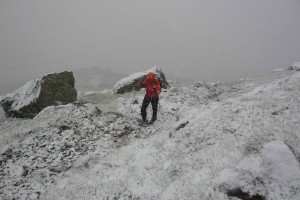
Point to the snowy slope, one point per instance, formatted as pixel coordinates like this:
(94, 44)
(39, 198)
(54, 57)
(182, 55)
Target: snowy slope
(209, 139)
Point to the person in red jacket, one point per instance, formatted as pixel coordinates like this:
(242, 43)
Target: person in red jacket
(153, 89)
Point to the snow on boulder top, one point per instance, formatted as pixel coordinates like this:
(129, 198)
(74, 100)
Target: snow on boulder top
(131, 82)
(34, 96)
(26, 94)
(128, 80)
(295, 66)
(156, 70)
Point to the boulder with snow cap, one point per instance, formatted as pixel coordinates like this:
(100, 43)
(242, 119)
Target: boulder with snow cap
(39, 93)
(131, 82)
(295, 66)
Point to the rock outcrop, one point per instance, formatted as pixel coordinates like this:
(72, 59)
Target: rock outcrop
(131, 82)
(39, 93)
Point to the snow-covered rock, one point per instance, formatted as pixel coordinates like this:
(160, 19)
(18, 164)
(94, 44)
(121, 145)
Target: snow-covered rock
(47, 90)
(180, 124)
(131, 82)
(295, 66)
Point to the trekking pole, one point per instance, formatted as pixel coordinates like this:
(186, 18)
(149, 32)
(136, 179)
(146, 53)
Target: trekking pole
(133, 97)
(132, 100)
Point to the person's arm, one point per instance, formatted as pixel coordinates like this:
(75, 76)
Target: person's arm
(143, 84)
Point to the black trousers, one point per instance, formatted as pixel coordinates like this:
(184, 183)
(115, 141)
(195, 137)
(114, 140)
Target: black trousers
(146, 102)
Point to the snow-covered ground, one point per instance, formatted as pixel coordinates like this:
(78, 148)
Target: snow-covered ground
(209, 141)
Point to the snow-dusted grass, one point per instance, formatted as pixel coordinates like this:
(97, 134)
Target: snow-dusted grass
(242, 135)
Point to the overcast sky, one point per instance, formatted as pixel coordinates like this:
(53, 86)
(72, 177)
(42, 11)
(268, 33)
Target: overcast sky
(195, 39)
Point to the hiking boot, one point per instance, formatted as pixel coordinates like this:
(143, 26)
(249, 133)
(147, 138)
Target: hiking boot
(153, 120)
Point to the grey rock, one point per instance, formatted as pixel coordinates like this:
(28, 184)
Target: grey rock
(25, 171)
(58, 169)
(34, 196)
(180, 124)
(48, 90)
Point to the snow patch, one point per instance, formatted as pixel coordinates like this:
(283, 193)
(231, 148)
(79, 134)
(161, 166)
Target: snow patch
(107, 91)
(260, 89)
(296, 76)
(283, 168)
(279, 70)
(274, 173)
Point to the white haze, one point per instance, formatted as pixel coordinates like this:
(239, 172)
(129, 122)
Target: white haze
(192, 39)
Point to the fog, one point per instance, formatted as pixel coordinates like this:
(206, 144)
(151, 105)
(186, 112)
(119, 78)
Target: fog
(192, 39)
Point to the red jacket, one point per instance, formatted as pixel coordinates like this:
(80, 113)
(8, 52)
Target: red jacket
(152, 87)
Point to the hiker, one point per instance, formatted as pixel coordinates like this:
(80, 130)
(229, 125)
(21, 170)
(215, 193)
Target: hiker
(153, 89)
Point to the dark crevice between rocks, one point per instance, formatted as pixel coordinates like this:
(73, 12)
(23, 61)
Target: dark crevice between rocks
(243, 195)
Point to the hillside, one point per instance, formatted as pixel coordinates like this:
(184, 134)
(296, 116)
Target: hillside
(211, 141)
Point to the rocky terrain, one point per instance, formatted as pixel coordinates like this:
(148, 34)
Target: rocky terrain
(230, 140)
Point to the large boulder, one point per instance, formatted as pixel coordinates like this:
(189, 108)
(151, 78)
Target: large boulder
(131, 82)
(39, 93)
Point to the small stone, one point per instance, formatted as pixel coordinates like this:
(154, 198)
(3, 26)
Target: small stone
(34, 196)
(275, 113)
(16, 170)
(64, 127)
(25, 171)
(58, 169)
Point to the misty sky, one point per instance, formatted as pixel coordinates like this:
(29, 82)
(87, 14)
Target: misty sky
(194, 39)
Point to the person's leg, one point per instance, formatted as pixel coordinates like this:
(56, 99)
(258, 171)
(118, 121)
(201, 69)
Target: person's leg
(145, 104)
(154, 103)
